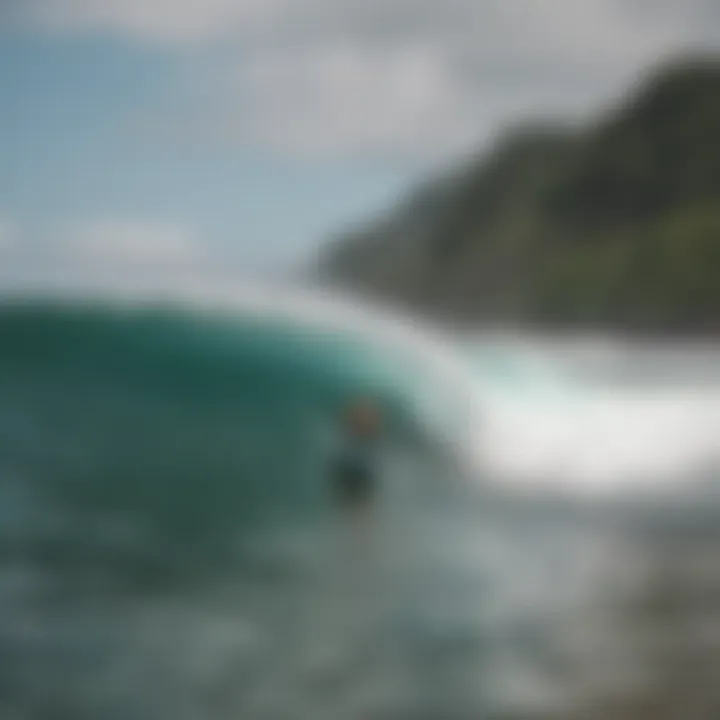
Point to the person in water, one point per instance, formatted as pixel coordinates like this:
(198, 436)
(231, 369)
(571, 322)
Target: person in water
(354, 472)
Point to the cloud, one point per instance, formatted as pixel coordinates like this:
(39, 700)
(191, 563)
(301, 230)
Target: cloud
(139, 244)
(584, 24)
(339, 99)
(130, 254)
(165, 21)
(408, 78)
(427, 79)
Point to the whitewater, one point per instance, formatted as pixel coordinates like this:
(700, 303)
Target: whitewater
(171, 552)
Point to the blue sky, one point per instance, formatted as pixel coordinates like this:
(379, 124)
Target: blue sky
(79, 147)
(239, 134)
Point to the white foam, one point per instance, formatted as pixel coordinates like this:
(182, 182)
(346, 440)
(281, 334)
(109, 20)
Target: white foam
(599, 436)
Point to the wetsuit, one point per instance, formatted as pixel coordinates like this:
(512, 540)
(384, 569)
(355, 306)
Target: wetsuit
(354, 474)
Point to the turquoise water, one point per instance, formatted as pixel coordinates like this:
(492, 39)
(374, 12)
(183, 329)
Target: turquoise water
(186, 428)
(161, 473)
(169, 550)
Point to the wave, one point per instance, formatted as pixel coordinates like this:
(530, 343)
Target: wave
(162, 429)
(141, 441)
(181, 420)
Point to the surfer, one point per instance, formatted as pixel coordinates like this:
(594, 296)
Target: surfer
(350, 583)
(354, 471)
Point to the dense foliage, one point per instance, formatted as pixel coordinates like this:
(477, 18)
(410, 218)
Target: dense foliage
(617, 225)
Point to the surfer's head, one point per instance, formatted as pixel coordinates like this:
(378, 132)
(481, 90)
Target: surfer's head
(362, 417)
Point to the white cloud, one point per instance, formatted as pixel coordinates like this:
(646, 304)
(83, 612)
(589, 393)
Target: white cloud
(432, 78)
(414, 78)
(584, 24)
(94, 254)
(141, 244)
(339, 98)
(168, 21)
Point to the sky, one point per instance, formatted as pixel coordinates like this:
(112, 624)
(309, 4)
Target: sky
(147, 137)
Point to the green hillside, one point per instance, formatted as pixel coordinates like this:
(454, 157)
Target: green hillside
(617, 225)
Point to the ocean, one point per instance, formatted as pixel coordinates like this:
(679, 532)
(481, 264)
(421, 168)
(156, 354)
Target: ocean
(169, 548)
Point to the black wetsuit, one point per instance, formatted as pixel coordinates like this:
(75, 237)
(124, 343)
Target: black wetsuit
(354, 475)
